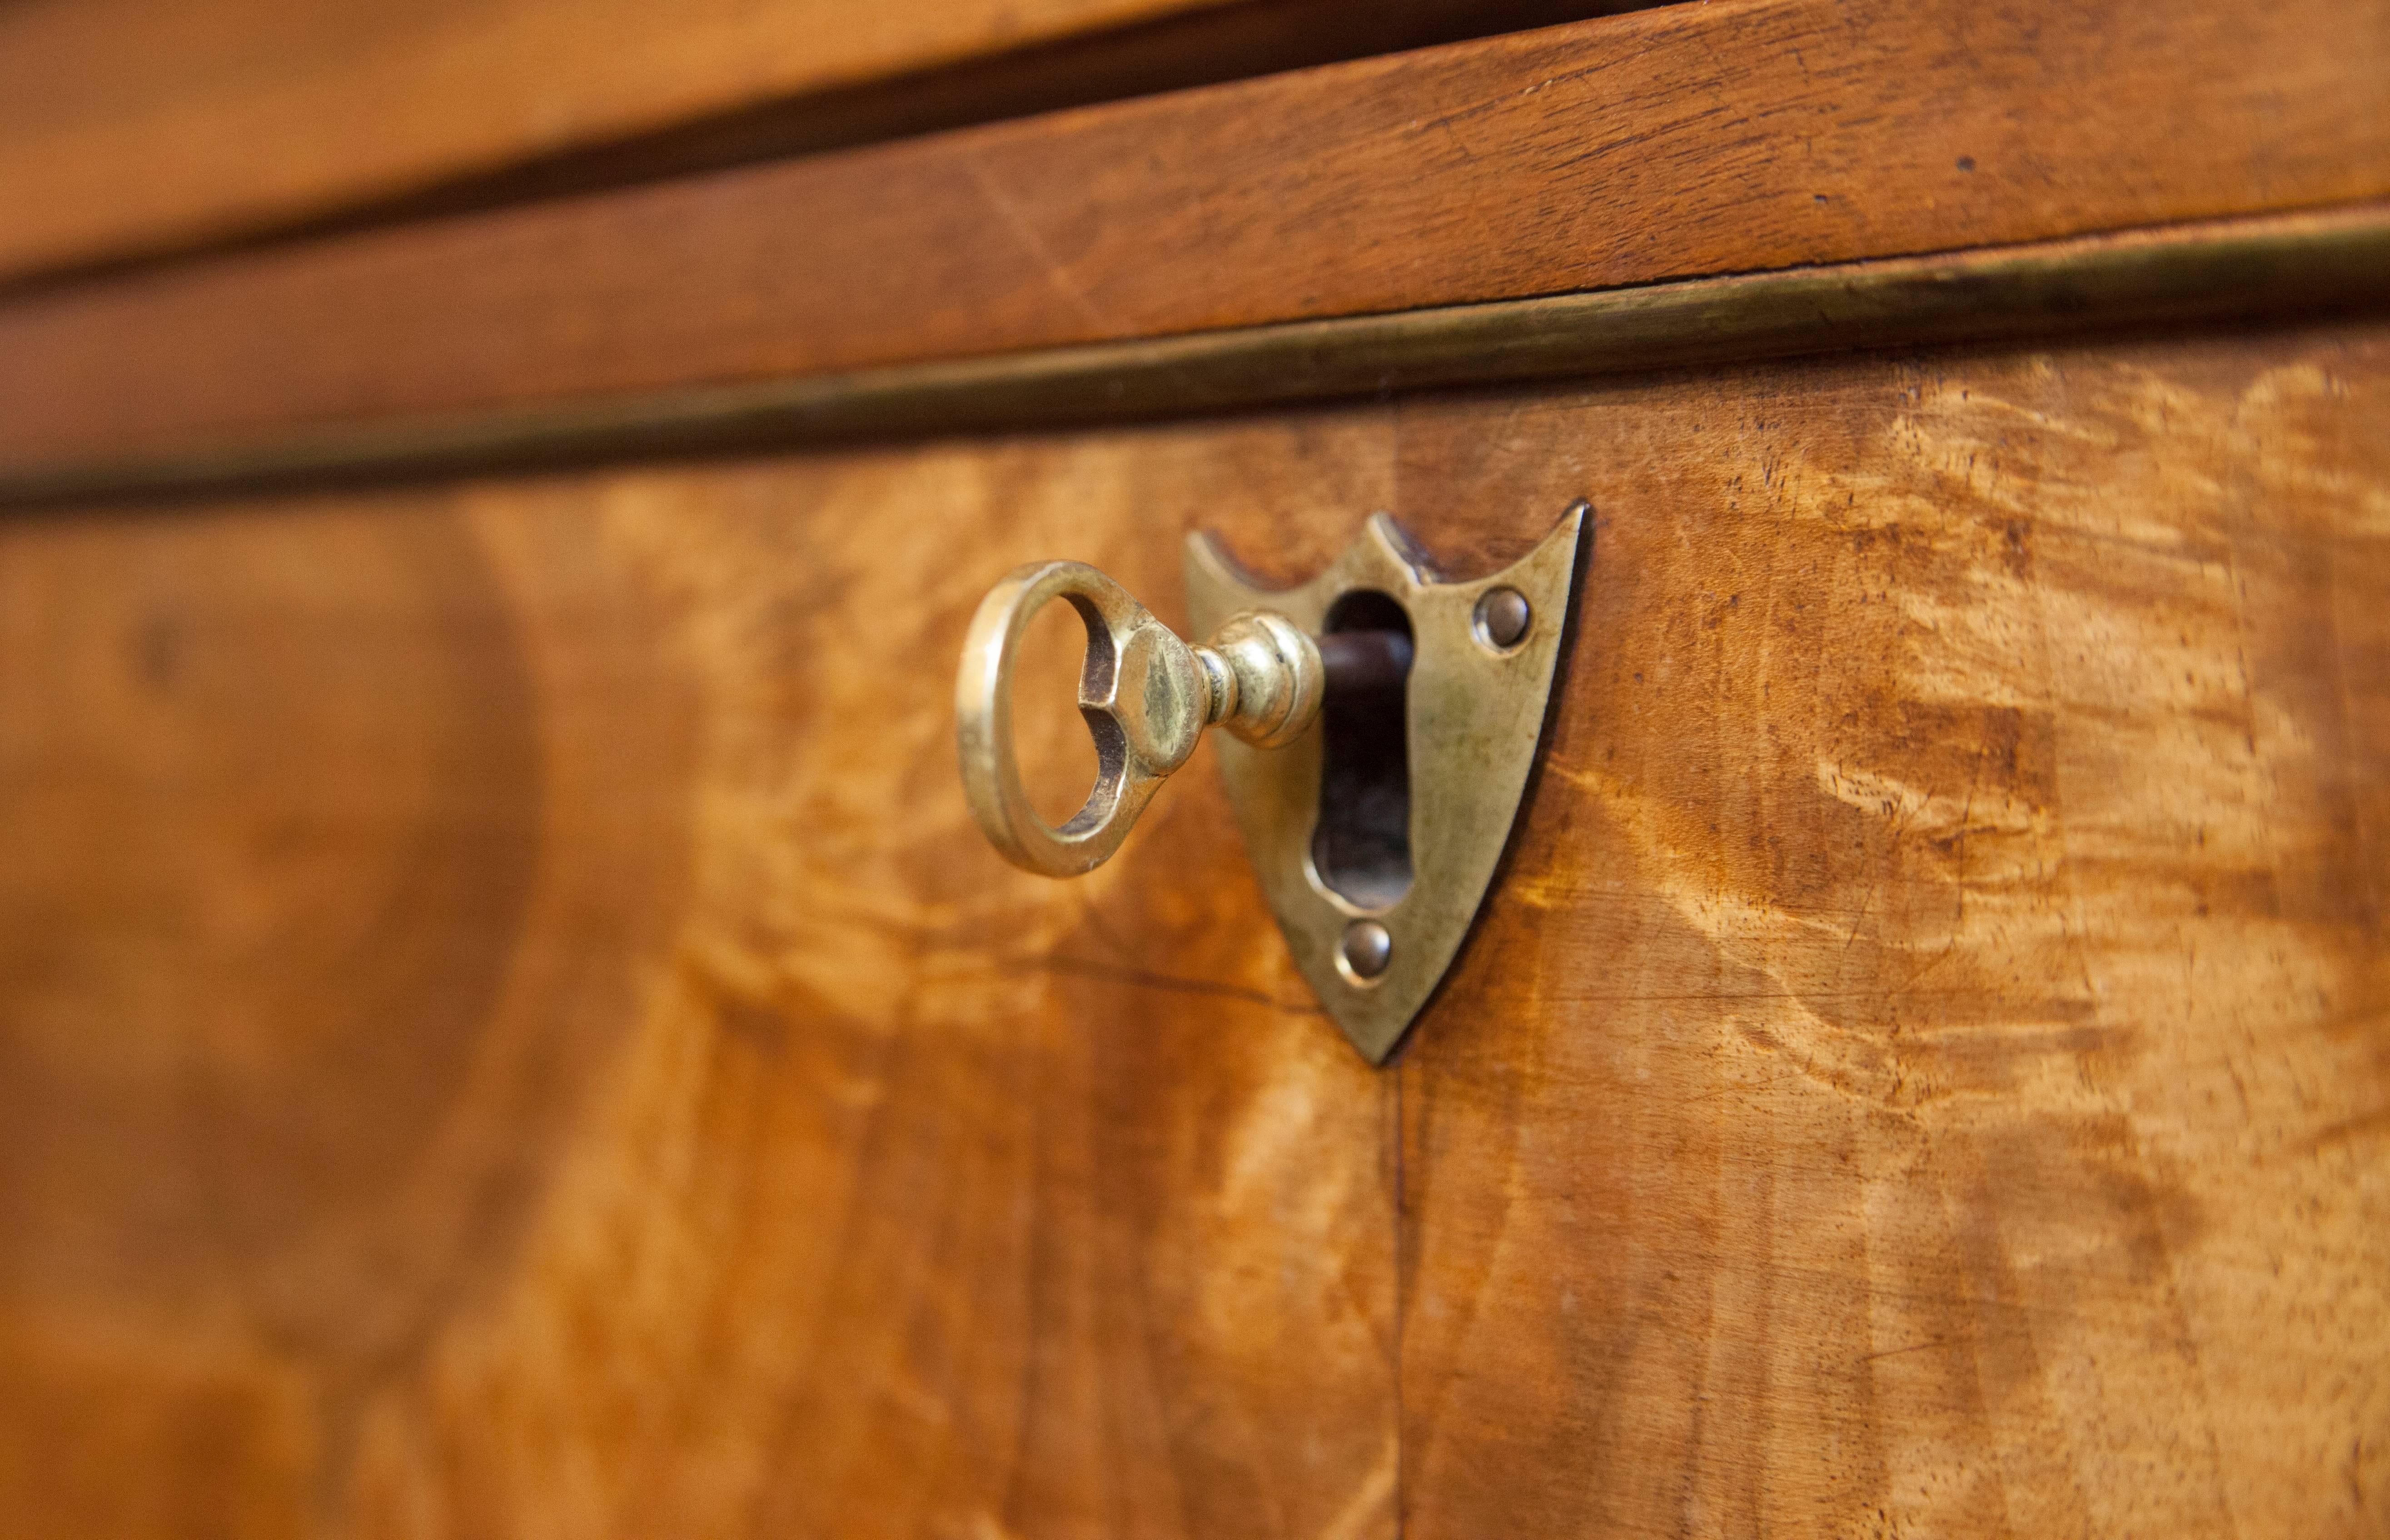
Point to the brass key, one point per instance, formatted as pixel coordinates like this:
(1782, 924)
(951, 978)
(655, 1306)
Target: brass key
(1146, 696)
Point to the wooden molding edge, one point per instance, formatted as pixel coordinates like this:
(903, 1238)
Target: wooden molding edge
(1144, 50)
(2216, 271)
(189, 153)
(1673, 143)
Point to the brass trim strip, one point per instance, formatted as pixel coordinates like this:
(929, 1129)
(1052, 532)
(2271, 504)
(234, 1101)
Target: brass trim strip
(2287, 265)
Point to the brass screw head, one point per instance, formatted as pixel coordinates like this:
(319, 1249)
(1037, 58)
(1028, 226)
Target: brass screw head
(1367, 948)
(1502, 619)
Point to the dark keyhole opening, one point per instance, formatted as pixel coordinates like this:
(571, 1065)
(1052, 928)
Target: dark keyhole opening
(1362, 843)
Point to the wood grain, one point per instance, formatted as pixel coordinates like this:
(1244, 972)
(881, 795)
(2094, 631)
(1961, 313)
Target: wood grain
(508, 1029)
(2276, 267)
(1175, 50)
(1744, 135)
(130, 124)
(1927, 1070)
(482, 1058)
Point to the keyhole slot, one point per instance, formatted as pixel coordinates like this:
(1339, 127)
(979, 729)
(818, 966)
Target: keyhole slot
(1361, 844)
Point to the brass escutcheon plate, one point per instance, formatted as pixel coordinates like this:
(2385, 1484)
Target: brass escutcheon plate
(1474, 714)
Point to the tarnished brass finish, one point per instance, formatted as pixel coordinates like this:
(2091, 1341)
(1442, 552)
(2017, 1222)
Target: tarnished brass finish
(1267, 678)
(1146, 696)
(1475, 706)
(1468, 682)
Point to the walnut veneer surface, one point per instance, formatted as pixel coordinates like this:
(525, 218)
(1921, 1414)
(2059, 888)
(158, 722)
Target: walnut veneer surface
(509, 1030)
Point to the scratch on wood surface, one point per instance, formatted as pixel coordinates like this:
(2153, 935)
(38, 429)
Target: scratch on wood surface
(1055, 272)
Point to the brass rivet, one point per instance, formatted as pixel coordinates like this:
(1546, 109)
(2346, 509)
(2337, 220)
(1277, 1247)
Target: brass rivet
(1502, 619)
(1367, 948)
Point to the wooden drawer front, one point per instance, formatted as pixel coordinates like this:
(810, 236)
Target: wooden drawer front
(511, 1030)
